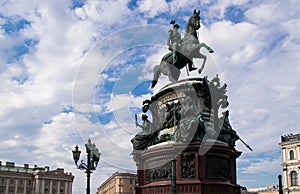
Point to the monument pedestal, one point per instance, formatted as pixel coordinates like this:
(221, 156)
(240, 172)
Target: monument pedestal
(213, 172)
(186, 126)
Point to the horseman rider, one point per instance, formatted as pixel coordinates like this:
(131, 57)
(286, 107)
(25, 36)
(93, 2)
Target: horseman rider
(174, 40)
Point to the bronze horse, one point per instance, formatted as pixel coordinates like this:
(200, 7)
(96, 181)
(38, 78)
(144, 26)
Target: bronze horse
(188, 49)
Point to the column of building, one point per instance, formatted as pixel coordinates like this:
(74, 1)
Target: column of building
(285, 177)
(298, 152)
(6, 187)
(51, 185)
(25, 184)
(70, 187)
(58, 187)
(16, 186)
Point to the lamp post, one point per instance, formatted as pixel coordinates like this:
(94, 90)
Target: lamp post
(280, 184)
(173, 179)
(93, 157)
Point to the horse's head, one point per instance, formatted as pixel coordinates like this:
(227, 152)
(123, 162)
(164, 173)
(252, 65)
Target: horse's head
(193, 24)
(195, 20)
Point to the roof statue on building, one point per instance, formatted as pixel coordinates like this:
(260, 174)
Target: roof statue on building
(183, 50)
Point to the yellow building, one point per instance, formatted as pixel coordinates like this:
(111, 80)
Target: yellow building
(290, 145)
(118, 183)
(36, 180)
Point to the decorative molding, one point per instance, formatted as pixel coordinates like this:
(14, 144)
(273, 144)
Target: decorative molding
(188, 169)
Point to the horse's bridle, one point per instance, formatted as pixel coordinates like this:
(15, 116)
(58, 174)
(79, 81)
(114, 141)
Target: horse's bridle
(196, 22)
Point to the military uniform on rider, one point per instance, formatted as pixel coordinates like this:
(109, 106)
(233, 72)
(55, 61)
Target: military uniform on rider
(174, 38)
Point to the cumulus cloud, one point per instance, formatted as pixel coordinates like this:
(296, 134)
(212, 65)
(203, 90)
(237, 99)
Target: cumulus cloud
(153, 8)
(33, 104)
(183, 6)
(88, 56)
(217, 9)
(263, 166)
(53, 139)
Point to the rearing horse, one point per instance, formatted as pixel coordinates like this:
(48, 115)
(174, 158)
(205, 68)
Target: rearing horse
(188, 49)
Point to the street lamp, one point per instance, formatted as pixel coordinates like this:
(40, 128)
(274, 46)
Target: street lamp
(93, 157)
(280, 184)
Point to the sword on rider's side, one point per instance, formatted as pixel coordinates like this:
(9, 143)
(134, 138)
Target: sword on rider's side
(245, 144)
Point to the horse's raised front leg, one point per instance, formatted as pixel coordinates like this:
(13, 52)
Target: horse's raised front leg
(210, 50)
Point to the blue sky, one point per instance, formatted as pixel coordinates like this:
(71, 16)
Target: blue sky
(73, 70)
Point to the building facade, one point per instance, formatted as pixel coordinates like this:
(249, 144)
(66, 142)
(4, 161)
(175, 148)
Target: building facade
(36, 180)
(290, 145)
(118, 183)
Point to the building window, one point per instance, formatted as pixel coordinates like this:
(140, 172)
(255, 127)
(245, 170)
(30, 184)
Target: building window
(294, 178)
(292, 155)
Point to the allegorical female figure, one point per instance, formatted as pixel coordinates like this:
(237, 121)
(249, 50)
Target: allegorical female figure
(146, 137)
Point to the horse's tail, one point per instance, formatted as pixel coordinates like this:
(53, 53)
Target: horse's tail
(156, 75)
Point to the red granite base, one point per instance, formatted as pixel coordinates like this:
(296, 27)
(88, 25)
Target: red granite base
(211, 173)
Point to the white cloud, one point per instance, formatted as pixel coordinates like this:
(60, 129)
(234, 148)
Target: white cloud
(183, 5)
(259, 58)
(283, 92)
(292, 27)
(51, 68)
(105, 12)
(55, 137)
(10, 143)
(218, 8)
(229, 38)
(152, 8)
(271, 166)
(265, 14)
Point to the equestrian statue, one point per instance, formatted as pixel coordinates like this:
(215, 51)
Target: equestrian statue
(182, 51)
